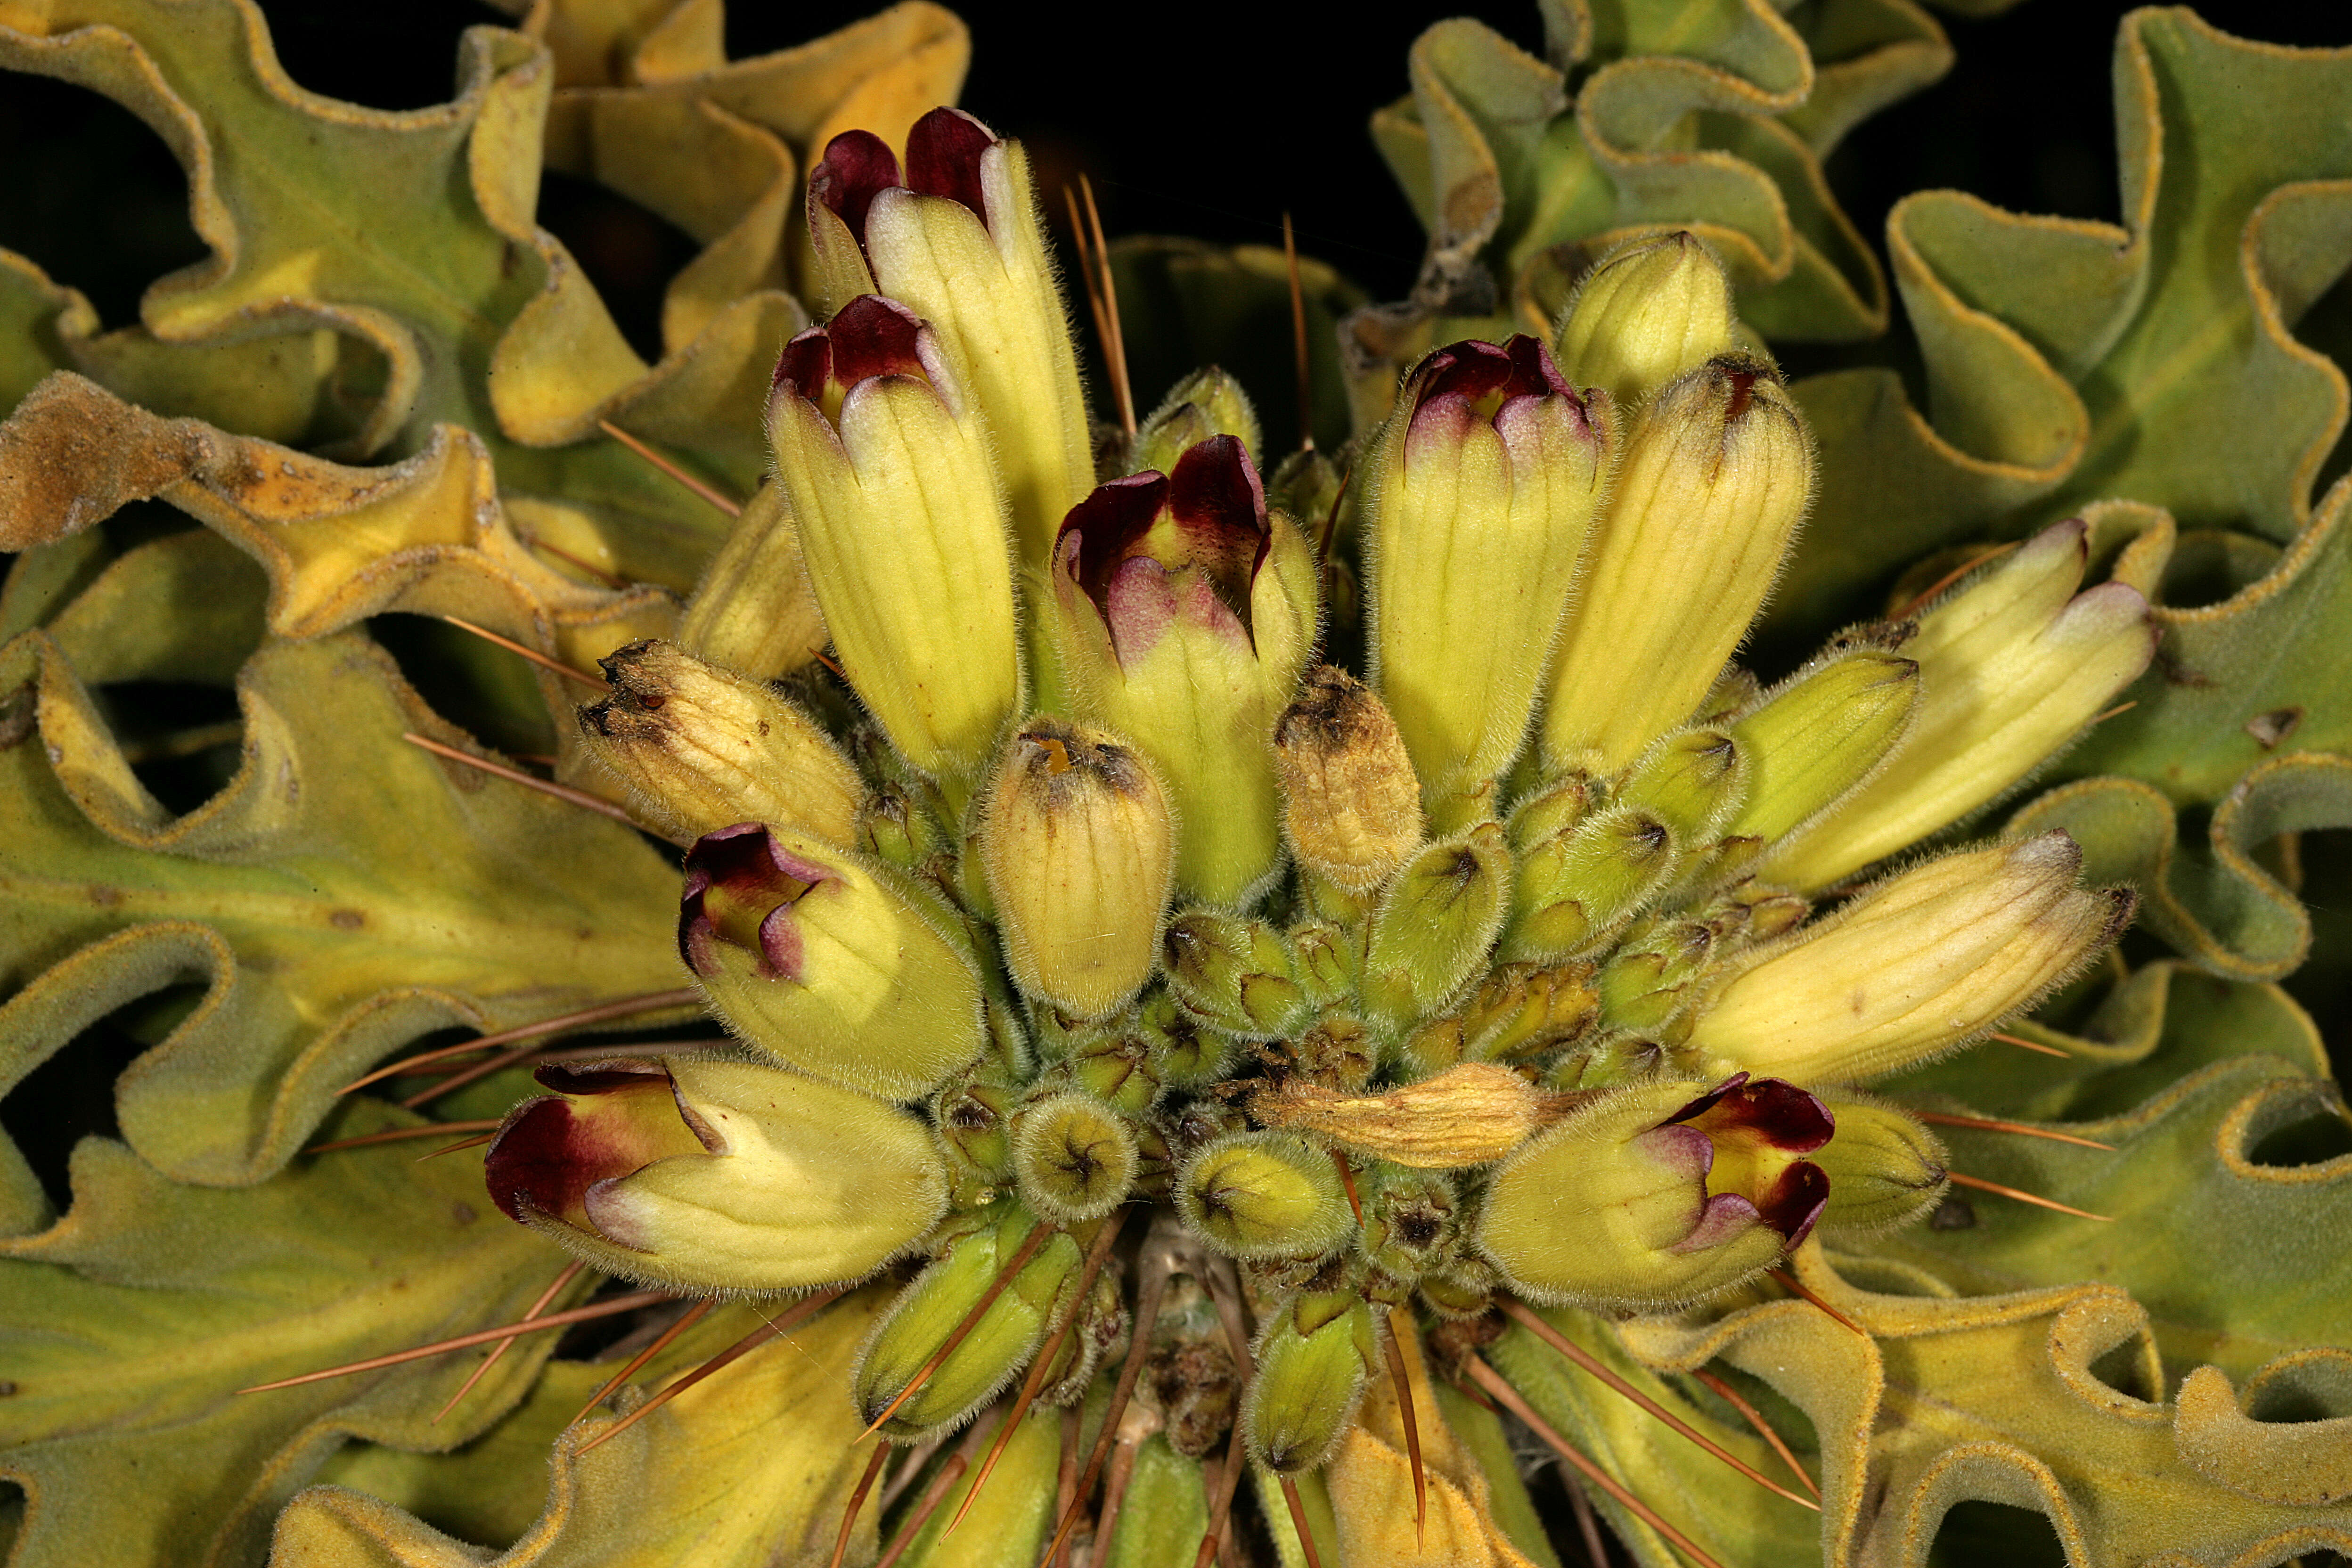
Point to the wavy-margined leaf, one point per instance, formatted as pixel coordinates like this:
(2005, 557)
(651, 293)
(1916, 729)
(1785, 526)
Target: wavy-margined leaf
(2217, 1239)
(2068, 360)
(749, 1467)
(1941, 1400)
(410, 235)
(131, 1323)
(344, 894)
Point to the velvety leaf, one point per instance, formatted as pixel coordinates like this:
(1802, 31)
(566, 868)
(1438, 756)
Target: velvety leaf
(751, 1466)
(346, 894)
(2068, 360)
(131, 1323)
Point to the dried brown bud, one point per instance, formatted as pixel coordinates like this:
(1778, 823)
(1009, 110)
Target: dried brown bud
(1466, 1115)
(1350, 800)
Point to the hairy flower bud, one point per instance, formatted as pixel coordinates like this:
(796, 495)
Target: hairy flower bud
(902, 528)
(1717, 472)
(1691, 782)
(1652, 1198)
(998, 1345)
(959, 241)
(1915, 965)
(1183, 611)
(1265, 1195)
(1818, 736)
(1575, 888)
(701, 748)
(1238, 975)
(1481, 488)
(1080, 854)
(1652, 310)
(754, 614)
(1312, 1359)
(1886, 1168)
(1074, 1157)
(1435, 922)
(1204, 406)
(2011, 665)
(1351, 806)
(716, 1174)
(815, 958)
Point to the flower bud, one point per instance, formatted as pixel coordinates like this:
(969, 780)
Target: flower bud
(1264, 1195)
(1184, 612)
(930, 1309)
(1691, 782)
(902, 526)
(1481, 488)
(754, 613)
(1472, 1114)
(1411, 1222)
(1818, 736)
(1312, 1359)
(715, 1176)
(1351, 806)
(1236, 975)
(817, 961)
(1550, 811)
(959, 242)
(1575, 890)
(1646, 979)
(700, 748)
(1653, 310)
(1435, 922)
(1915, 965)
(1079, 853)
(1074, 1158)
(1204, 406)
(2010, 668)
(1652, 1198)
(1523, 1009)
(1717, 472)
(1885, 1169)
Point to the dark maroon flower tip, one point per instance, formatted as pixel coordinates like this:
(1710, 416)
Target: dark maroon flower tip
(1103, 529)
(1471, 370)
(533, 1165)
(599, 1077)
(1220, 504)
(1795, 1203)
(869, 336)
(857, 166)
(1779, 1113)
(749, 873)
(944, 153)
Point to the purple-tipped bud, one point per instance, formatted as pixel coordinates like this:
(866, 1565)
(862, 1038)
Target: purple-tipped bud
(1152, 549)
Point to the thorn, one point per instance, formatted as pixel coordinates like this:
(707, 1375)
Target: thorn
(1508, 1396)
(1038, 1368)
(1019, 1261)
(1290, 1487)
(856, 1501)
(618, 1304)
(628, 1048)
(571, 1272)
(1065, 1467)
(1331, 518)
(1980, 1184)
(394, 1135)
(1732, 1396)
(1587, 1525)
(1229, 1477)
(731, 507)
(1403, 1383)
(686, 1320)
(800, 1314)
(650, 1002)
(474, 1142)
(933, 1495)
(1299, 339)
(2119, 709)
(580, 798)
(597, 681)
(1988, 1124)
(612, 580)
(1116, 349)
(1147, 1312)
(1947, 580)
(1535, 1324)
(818, 655)
(1788, 1282)
(1086, 265)
(1347, 1184)
(2032, 1045)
